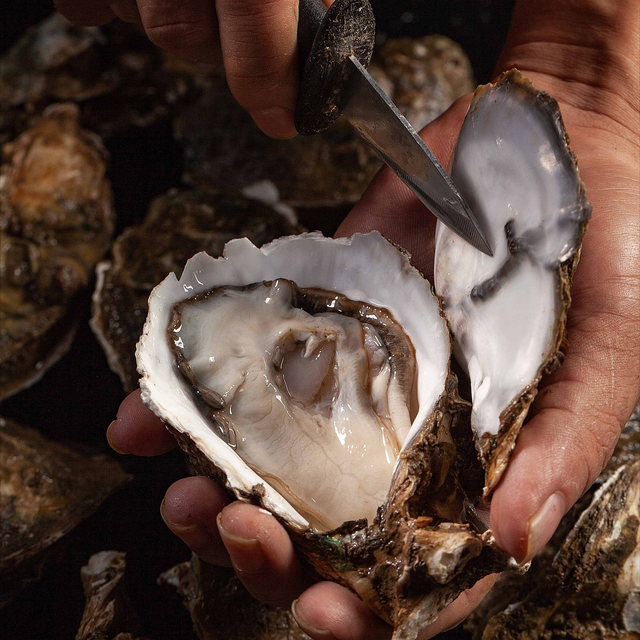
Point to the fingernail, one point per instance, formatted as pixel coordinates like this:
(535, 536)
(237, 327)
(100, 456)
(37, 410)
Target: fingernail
(110, 429)
(310, 630)
(246, 554)
(543, 525)
(276, 122)
(175, 526)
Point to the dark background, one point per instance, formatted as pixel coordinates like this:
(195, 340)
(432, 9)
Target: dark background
(79, 396)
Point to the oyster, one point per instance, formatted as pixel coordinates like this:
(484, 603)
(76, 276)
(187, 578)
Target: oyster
(222, 609)
(41, 499)
(346, 384)
(56, 220)
(115, 75)
(178, 224)
(108, 612)
(586, 581)
(315, 358)
(507, 312)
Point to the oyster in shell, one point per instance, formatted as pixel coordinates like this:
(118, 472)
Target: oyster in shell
(312, 376)
(275, 388)
(56, 220)
(118, 78)
(514, 167)
(108, 611)
(41, 499)
(222, 609)
(586, 582)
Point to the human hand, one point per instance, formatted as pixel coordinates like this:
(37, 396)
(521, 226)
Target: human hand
(257, 40)
(580, 409)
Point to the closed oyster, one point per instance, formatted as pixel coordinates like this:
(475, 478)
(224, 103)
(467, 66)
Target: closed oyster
(514, 167)
(586, 581)
(275, 388)
(41, 499)
(56, 220)
(118, 79)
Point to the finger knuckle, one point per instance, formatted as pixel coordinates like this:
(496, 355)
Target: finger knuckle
(179, 34)
(595, 448)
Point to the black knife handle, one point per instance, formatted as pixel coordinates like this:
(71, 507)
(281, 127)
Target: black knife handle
(326, 38)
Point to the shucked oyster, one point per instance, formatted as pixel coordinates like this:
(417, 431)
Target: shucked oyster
(312, 376)
(329, 402)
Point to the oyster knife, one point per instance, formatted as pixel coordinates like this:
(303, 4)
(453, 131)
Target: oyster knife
(335, 45)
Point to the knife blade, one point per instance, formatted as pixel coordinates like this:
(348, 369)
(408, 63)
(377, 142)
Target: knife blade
(334, 46)
(380, 123)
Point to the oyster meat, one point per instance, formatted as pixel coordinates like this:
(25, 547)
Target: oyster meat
(178, 224)
(56, 220)
(312, 376)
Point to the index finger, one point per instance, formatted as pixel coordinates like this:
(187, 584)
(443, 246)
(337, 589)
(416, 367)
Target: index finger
(137, 430)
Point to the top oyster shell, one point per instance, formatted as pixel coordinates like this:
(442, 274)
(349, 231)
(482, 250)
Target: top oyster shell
(507, 312)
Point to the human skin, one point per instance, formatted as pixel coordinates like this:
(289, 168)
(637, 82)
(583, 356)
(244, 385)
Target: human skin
(586, 53)
(255, 38)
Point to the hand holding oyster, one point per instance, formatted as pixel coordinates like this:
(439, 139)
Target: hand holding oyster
(357, 545)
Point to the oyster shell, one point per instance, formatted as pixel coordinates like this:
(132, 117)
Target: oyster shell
(222, 609)
(56, 220)
(178, 224)
(586, 582)
(108, 612)
(41, 499)
(507, 312)
(115, 75)
(408, 521)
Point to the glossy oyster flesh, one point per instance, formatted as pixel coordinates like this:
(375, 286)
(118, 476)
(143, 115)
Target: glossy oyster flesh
(177, 225)
(507, 312)
(329, 402)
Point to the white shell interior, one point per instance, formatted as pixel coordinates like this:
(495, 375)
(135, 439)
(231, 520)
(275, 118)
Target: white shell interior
(363, 268)
(513, 166)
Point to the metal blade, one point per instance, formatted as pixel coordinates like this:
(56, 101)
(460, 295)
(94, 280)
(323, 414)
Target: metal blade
(379, 122)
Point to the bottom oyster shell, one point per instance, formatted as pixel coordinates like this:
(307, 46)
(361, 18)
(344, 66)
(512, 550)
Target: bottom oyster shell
(223, 358)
